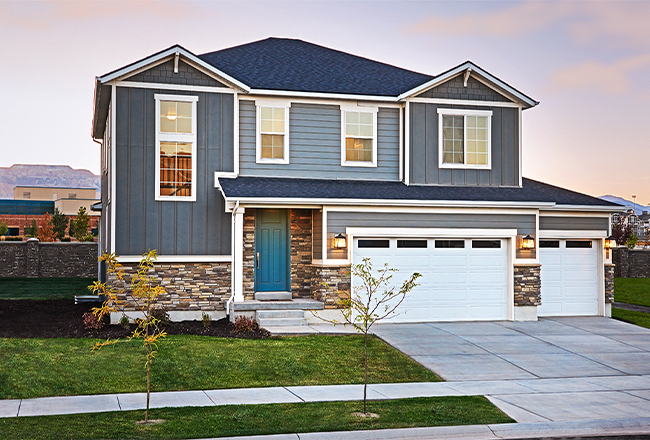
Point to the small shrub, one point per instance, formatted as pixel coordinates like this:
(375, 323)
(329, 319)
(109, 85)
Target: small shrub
(631, 241)
(124, 321)
(92, 322)
(245, 324)
(10, 238)
(160, 313)
(207, 320)
(65, 240)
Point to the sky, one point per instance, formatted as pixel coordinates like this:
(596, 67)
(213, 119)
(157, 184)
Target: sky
(586, 62)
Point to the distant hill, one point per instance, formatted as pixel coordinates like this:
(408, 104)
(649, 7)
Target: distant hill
(627, 203)
(45, 175)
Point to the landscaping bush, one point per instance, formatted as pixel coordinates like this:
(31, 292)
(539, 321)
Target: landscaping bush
(124, 321)
(10, 238)
(207, 320)
(245, 324)
(92, 322)
(160, 313)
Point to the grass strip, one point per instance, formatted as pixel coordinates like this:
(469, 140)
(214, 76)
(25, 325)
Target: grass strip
(43, 288)
(637, 318)
(632, 290)
(58, 367)
(236, 420)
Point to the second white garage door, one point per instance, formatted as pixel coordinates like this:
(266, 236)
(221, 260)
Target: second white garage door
(462, 280)
(569, 277)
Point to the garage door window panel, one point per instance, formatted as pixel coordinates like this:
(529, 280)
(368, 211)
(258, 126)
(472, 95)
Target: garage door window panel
(411, 244)
(450, 244)
(374, 243)
(578, 244)
(486, 244)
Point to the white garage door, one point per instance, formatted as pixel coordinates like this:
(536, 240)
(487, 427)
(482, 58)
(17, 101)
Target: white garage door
(462, 279)
(569, 277)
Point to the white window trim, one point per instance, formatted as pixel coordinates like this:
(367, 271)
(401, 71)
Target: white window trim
(462, 112)
(359, 109)
(272, 103)
(176, 137)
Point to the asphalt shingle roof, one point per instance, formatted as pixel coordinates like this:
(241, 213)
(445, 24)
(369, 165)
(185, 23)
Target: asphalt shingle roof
(271, 187)
(296, 65)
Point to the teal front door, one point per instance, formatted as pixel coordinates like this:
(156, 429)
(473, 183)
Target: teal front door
(271, 250)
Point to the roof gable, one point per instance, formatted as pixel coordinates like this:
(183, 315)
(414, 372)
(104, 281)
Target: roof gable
(296, 65)
(163, 73)
(472, 89)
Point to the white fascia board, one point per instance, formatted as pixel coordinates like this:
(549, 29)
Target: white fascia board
(273, 201)
(466, 102)
(342, 96)
(440, 79)
(178, 259)
(431, 232)
(549, 233)
(175, 87)
(167, 53)
(587, 208)
(574, 214)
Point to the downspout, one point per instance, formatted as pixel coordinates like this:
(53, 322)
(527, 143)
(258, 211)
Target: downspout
(99, 226)
(232, 262)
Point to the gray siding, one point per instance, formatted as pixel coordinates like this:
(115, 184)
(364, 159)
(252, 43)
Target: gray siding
(338, 221)
(573, 223)
(173, 228)
(423, 126)
(187, 75)
(455, 89)
(317, 233)
(315, 144)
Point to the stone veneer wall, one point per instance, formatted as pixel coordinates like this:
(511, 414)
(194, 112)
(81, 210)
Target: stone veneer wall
(248, 266)
(609, 283)
(301, 243)
(52, 260)
(189, 286)
(338, 283)
(631, 263)
(527, 286)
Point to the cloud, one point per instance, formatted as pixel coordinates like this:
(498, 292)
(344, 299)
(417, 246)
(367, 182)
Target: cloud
(613, 77)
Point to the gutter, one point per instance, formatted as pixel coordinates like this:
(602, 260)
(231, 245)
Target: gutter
(232, 263)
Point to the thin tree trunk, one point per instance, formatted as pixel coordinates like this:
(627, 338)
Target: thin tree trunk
(365, 376)
(146, 414)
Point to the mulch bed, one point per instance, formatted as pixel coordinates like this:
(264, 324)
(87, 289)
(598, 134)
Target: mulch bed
(61, 318)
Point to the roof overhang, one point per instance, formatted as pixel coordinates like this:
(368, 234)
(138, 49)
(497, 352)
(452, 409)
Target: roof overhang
(472, 69)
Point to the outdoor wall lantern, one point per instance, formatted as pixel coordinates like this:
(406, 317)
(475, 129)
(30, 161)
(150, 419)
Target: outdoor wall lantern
(528, 242)
(610, 242)
(339, 241)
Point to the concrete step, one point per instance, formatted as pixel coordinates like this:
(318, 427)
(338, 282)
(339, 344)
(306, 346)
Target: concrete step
(269, 314)
(280, 322)
(296, 304)
(273, 296)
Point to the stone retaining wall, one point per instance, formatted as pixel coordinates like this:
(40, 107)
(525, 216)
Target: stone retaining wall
(53, 260)
(631, 263)
(527, 286)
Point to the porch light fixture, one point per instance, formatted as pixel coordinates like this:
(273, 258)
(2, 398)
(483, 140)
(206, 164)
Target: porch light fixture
(528, 242)
(339, 241)
(610, 242)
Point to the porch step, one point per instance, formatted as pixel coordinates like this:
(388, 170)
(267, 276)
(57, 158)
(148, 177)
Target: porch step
(296, 304)
(273, 296)
(275, 318)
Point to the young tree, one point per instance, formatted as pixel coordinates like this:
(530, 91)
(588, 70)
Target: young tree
(143, 292)
(371, 301)
(46, 229)
(621, 230)
(4, 229)
(31, 230)
(60, 222)
(79, 226)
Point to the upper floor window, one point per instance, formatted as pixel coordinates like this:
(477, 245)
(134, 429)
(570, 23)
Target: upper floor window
(176, 147)
(272, 131)
(359, 136)
(464, 138)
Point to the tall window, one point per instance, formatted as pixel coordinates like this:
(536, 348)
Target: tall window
(272, 131)
(464, 138)
(359, 136)
(176, 147)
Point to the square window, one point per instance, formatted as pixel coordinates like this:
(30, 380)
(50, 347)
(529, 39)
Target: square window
(464, 138)
(359, 143)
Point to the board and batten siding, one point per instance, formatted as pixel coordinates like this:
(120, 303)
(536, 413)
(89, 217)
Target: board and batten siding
(338, 221)
(317, 234)
(423, 126)
(573, 223)
(171, 227)
(315, 145)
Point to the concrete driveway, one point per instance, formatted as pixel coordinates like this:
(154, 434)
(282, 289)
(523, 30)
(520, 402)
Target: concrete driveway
(553, 369)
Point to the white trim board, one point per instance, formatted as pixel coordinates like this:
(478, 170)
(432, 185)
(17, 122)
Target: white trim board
(465, 102)
(145, 85)
(356, 100)
(431, 232)
(178, 258)
(549, 233)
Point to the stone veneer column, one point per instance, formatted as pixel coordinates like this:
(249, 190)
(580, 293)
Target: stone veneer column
(301, 244)
(609, 283)
(249, 254)
(527, 291)
(330, 284)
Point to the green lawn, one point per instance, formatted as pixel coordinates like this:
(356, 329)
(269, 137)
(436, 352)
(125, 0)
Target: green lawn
(44, 288)
(236, 420)
(638, 318)
(632, 290)
(57, 367)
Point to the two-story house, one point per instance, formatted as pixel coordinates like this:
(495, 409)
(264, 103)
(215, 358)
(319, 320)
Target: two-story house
(262, 171)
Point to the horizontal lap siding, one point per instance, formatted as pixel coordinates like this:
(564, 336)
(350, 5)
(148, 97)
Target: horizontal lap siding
(573, 223)
(423, 126)
(172, 228)
(315, 145)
